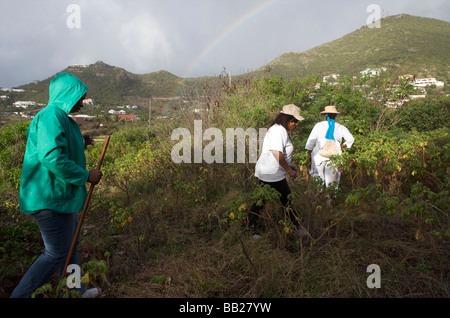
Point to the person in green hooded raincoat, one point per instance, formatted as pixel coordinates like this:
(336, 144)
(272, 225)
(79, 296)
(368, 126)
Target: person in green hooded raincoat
(53, 180)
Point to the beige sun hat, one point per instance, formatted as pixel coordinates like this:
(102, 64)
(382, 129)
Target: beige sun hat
(293, 110)
(330, 109)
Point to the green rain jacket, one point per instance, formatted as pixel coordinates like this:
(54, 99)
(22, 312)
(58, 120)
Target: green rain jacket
(54, 171)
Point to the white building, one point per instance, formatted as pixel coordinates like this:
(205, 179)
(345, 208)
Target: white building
(17, 90)
(88, 101)
(422, 82)
(330, 78)
(81, 116)
(117, 112)
(373, 71)
(24, 104)
(417, 96)
(395, 104)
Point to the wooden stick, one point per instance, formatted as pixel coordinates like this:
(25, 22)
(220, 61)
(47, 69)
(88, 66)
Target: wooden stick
(83, 213)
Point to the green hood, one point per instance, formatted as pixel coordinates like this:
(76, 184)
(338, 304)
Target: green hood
(65, 91)
(54, 171)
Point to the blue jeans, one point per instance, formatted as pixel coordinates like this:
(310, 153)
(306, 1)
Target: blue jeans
(58, 231)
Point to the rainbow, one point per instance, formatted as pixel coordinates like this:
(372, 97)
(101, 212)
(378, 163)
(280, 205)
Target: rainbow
(228, 30)
(220, 37)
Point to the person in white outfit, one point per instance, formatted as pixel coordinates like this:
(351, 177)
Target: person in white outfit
(274, 162)
(328, 129)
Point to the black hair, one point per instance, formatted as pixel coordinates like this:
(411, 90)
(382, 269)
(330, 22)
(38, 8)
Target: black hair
(331, 115)
(283, 120)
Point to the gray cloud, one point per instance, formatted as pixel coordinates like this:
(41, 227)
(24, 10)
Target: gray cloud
(188, 38)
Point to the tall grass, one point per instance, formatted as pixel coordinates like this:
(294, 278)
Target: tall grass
(170, 229)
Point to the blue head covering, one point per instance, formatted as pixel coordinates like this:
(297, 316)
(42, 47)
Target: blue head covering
(330, 131)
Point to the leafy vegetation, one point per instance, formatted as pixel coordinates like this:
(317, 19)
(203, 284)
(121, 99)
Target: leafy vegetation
(160, 229)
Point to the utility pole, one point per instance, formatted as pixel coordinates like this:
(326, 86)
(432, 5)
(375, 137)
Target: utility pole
(149, 112)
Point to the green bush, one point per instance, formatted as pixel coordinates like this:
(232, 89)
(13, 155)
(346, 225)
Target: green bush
(147, 208)
(426, 114)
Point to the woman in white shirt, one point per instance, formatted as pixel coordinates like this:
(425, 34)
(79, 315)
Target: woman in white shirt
(322, 131)
(276, 155)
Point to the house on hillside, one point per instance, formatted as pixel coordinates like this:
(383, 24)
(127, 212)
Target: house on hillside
(24, 104)
(82, 119)
(82, 116)
(397, 103)
(88, 102)
(16, 90)
(422, 82)
(417, 96)
(332, 78)
(117, 112)
(372, 71)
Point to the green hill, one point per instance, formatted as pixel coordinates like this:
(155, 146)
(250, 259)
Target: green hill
(403, 43)
(110, 85)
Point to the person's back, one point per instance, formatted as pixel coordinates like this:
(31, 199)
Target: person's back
(53, 181)
(54, 168)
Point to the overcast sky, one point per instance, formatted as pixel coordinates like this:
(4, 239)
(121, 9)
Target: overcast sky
(188, 38)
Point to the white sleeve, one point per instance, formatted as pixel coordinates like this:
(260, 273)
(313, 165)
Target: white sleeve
(278, 138)
(348, 137)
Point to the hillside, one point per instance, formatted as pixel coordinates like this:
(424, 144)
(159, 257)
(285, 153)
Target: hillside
(403, 43)
(110, 85)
